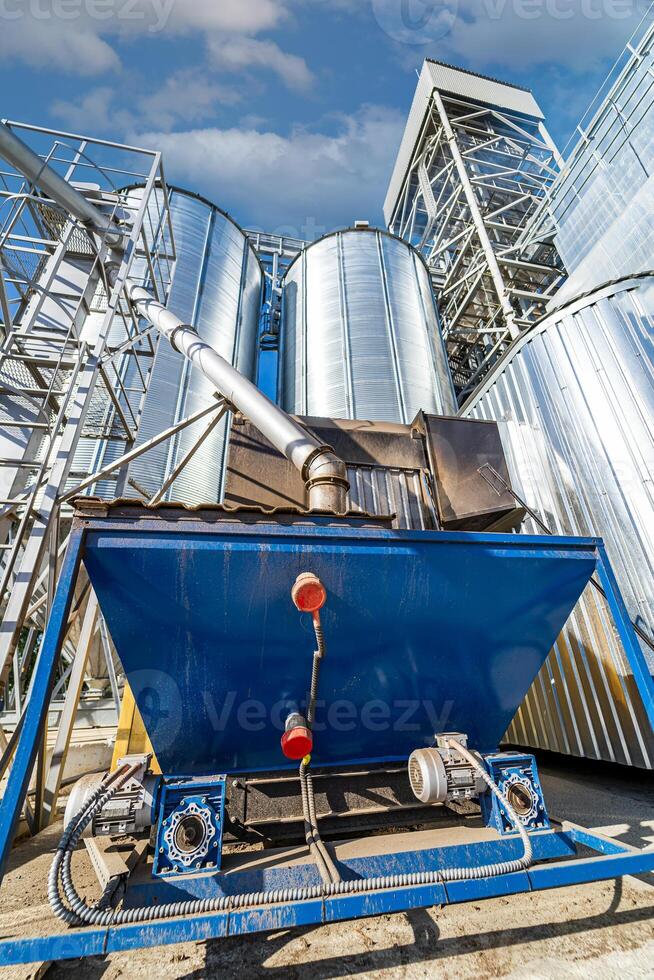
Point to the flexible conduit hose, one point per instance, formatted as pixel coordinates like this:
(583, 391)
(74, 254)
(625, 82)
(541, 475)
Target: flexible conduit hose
(317, 847)
(96, 800)
(315, 672)
(82, 913)
(311, 834)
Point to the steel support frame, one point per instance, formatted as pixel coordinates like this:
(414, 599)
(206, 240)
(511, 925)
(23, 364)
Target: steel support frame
(34, 722)
(478, 173)
(52, 773)
(122, 461)
(612, 108)
(79, 367)
(68, 348)
(477, 220)
(275, 253)
(62, 742)
(610, 859)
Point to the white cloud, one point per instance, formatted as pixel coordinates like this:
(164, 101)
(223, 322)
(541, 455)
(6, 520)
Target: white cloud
(314, 180)
(95, 110)
(53, 44)
(187, 96)
(78, 36)
(233, 16)
(518, 34)
(235, 54)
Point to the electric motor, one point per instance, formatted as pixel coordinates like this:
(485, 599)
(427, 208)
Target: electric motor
(130, 811)
(441, 774)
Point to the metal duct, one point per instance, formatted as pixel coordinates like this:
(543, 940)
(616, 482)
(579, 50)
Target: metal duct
(216, 288)
(360, 334)
(575, 402)
(40, 173)
(323, 473)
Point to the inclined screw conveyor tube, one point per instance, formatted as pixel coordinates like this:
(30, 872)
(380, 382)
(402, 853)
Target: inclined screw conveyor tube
(323, 472)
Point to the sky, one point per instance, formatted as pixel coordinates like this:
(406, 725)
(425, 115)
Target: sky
(289, 113)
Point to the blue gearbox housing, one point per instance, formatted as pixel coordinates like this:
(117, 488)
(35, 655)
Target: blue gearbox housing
(516, 774)
(189, 825)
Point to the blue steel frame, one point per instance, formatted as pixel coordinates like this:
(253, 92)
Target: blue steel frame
(610, 859)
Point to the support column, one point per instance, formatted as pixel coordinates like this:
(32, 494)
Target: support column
(36, 712)
(55, 769)
(478, 221)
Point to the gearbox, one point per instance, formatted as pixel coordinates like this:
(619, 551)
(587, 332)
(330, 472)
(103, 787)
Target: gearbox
(190, 825)
(516, 775)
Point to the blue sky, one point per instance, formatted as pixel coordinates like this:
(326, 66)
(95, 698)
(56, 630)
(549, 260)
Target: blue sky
(288, 113)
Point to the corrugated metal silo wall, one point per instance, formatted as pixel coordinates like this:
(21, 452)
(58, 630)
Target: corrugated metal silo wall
(104, 439)
(360, 334)
(216, 287)
(576, 404)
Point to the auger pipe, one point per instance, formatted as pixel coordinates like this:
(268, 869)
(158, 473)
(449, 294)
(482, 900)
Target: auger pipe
(30, 164)
(323, 472)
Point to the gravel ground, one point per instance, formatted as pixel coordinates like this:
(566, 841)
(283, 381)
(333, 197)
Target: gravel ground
(605, 929)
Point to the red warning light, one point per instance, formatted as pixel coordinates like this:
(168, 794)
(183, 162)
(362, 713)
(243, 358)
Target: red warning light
(308, 593)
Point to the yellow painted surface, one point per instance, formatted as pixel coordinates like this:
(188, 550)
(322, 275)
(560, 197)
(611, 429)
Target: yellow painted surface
(131, 737)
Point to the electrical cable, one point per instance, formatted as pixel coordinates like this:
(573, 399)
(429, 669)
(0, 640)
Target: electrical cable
(328, 870)
(80, 912)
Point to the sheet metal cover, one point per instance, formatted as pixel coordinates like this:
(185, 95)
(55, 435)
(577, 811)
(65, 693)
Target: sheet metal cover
(356, 442)
(425, 632)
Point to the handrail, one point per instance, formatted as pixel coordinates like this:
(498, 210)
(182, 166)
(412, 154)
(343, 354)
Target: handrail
(323, 472)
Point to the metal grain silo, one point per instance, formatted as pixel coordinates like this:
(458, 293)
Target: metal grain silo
(360, 334)
(217, 287)
(575, 402)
